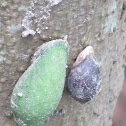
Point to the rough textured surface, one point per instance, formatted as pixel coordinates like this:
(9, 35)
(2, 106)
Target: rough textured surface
(84, 22)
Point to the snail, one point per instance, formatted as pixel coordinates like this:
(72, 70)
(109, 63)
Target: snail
(39, 90)
(84, 80)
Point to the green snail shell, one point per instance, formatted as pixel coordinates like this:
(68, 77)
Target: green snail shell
(39, 90)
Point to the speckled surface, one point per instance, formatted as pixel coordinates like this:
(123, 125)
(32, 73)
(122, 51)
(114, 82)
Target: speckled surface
(84, 23)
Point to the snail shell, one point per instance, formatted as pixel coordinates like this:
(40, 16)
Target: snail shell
(84, 80)
(39, 90)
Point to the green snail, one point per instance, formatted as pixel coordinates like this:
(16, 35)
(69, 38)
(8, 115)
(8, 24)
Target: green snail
(39, 90)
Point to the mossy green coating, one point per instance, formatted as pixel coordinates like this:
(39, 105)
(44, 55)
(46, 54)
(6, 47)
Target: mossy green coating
(39, 90)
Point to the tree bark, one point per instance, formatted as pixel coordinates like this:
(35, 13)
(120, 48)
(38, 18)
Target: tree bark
(25, 25)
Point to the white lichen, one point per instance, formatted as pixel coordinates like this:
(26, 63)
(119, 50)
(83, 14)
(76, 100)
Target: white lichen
(28, 32)
(37, 16)
(54, 2)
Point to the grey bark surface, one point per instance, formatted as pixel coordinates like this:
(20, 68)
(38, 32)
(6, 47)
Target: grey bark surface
(99, 23)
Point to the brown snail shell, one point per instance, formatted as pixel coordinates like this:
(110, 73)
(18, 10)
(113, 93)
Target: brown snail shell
(84, 80)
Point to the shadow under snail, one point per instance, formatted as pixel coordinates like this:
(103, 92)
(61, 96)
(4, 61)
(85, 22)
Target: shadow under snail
(84, 80)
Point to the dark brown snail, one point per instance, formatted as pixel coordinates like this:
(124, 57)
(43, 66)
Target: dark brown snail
(84, 80)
